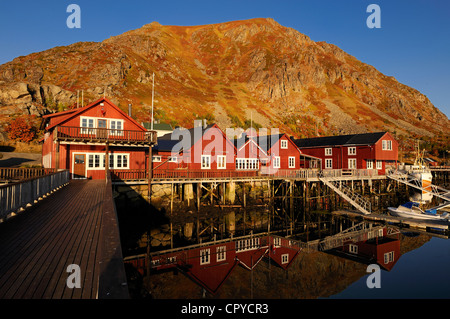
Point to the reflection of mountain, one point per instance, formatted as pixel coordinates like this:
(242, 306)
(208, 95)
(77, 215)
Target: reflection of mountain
(308, 275)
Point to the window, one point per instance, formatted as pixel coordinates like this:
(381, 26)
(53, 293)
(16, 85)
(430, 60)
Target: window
(221, 253)
(276, 162)
(116, 127)
(328, 163)
(369, 164)
(379, 164)
(284, 144)
(204, 256)
(328, 151)
(221, 161)
(121, 161)
(284, 258)
(291, 162)
(94, 161)
(277, 242)
(352, 163)
(352, 151)
(173, 159)
(206, 161)
(353, 249)
(247, 244)
(386, 145)
(87, 125)
(156, 158)
(388, 257)
(246, 163)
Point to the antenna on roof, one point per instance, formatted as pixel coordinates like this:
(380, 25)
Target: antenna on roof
(153, 92)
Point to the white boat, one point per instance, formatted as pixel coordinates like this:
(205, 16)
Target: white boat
(420, 171)
(412, 210)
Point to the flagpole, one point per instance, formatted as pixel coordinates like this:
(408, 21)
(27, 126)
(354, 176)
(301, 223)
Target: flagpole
(153, 92)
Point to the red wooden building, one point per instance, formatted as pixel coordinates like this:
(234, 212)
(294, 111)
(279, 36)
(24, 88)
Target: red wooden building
(89, 139)
(376, 248)
(356, 151)
(268, 153)
(202, 150)
(210, 265)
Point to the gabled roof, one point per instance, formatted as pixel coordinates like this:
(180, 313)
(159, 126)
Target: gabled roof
(71, 115)
(347, 140)
(166, 143)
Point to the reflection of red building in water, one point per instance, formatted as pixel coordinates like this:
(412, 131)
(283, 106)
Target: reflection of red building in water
(376, 248)
(211, 265)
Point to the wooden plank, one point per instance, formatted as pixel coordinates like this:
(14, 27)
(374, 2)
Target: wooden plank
(61, 230)
(27, 246)
(59, 265)
(47, 269)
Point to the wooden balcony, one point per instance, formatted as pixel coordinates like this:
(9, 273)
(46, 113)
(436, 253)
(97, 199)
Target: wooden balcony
(70, 134)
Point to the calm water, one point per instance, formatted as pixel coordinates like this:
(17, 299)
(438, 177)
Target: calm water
(420, 273)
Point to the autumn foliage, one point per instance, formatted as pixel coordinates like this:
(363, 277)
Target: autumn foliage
(21, 129)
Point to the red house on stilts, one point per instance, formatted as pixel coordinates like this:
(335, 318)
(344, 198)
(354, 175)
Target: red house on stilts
(355, 151)
(91, 139)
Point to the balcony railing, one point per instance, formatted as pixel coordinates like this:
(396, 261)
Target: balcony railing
(304, 174)
(103, 135)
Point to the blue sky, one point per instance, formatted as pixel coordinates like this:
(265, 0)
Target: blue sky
(413, 43)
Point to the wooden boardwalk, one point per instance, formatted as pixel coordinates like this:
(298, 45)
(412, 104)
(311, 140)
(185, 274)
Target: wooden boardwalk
(38, 245)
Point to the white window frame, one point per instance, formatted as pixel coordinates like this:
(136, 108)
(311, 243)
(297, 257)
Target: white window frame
(221, 161)
(221, 253)
(352, 150)
(284, 144)
(277, 242)
(156, 158)
(276, 162)
(389, 257)
(379, 164)
(247, 244)
(291, 161)
(208, 162)
(173, 159)
(369, 164)
(386, 145)
(284, 258)
(352, 164)
(328, 151)
(328, 163)
(117, 131)
(353, 249)
(89, 128)
(205, 256)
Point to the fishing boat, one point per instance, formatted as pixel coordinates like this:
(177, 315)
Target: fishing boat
(412, 210)
(421, 171)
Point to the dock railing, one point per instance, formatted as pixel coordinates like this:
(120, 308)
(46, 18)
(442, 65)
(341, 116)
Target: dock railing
(19, 173)
(18, 195)
(184, 173)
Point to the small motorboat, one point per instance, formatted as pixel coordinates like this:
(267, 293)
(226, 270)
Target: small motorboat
(412, 210)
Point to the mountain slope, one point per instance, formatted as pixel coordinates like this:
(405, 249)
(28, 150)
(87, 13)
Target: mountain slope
(229, 73)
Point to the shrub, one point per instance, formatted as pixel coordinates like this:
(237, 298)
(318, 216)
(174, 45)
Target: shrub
(21, 130)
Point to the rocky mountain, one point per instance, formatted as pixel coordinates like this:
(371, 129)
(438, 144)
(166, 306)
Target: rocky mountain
(227, 73)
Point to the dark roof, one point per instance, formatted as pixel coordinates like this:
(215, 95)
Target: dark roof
(158, 126)
(166, 143)
(347, 140)
(265, 142)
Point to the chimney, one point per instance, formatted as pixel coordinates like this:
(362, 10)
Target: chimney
(129, 110)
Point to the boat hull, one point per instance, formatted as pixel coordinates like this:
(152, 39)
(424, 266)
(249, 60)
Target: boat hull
(411, 214)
